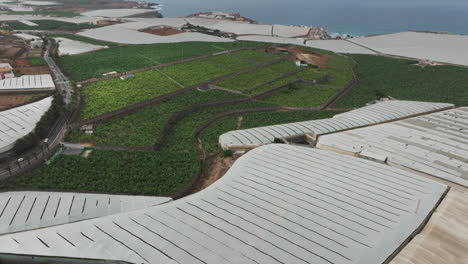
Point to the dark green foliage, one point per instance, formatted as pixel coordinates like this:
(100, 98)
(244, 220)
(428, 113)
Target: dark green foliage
(131, 57)
(162, 172)
(83, 39)
(45, 25)
(226, 153)
(278, 141)
(42, 128)
(401, 79)
(142, 128)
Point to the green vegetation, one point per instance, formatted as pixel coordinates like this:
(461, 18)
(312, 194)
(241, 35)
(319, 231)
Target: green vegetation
(252, 78)
(35, 60)
(131, 172)
(229, 61)
(254, 56)
(45, 25)
(104, 96)
(42, 128)
(172, 166)
(194, 72)
(211, 135)
(382, 76)
(302, 95)
(131, 57)
(163, 172)
(143, 127)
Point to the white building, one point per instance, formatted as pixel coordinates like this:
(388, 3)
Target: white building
(28, 83)
(18, 122)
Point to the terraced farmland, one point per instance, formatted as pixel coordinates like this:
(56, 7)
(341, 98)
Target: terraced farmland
(131, 57)
(252, 78)
(302, 95)
(109, 95)
(194, 72)
(143, 127)
(173, 151)
(401, 79)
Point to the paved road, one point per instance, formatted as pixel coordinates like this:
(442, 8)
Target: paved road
(43, 151)
(62, 82)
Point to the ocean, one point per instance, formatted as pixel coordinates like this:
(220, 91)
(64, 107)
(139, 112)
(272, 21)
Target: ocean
(355, 17)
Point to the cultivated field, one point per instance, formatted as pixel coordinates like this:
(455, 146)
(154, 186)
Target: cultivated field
(167, 130)
(105, 96)
(402, 79)
(157, 149)
(126, 58)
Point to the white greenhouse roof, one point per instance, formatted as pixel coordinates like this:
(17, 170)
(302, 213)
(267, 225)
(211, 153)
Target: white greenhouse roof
(277, 204)
(25, 36)
(290, 31)
(236, 27)
(427, 46)
(114, 13)
(18, 122)
(436, 144)
(270, 39)
(338, 46)
(369, 115)
(28, 82)
(31, 210)
(120, 34)
(73, 47)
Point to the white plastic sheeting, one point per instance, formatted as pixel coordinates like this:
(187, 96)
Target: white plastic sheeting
(73, 47)
(121, 34)
(21, 211)
(290, 31)
(270, 39)
(436, 144)
(277, 204)
(239, 28)
(427, 46)
(18, 122)
(27, 82)
(339, 46)
(369, 115)
(123, 12)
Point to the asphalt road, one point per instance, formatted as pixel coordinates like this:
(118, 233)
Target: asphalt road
(62, 82)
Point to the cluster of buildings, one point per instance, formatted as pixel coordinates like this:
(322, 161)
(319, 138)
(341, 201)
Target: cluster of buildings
(223, 16)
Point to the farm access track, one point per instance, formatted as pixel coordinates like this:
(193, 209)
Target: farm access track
(199, 130)
(202, 155)
(158, 66)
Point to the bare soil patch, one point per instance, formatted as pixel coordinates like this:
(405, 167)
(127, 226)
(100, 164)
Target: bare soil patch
(296, 54)
(163, 31)
(216, 167)
(10, 101)
(24, 67)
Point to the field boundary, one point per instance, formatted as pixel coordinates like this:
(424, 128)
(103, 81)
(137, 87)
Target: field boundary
(189, 188)
(133, 108)
(114, 76)
(346, 88)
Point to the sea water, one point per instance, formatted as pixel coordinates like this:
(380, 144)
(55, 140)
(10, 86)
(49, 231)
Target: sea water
(355, 17)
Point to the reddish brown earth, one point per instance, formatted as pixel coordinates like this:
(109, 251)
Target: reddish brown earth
(307, 56)
(23, 66)
(163, 31)
(10, 101)
(215, 169)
